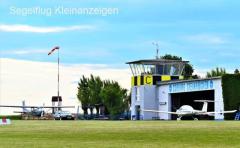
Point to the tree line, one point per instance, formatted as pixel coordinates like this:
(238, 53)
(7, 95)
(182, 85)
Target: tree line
(105, 94)
(219, 72)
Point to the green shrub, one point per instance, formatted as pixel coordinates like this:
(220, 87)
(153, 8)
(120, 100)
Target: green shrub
(12, 117)
(231, 93)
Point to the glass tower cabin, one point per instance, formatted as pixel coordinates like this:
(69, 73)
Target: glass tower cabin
(153, 70)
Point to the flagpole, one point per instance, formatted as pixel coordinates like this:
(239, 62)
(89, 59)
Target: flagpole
(58, 77)
(58, 81)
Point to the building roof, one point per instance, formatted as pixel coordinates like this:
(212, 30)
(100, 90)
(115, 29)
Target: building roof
(157, 61)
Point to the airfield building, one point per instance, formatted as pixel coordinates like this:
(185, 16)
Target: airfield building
(158, 84)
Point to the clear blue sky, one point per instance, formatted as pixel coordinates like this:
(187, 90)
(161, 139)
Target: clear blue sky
(204, 32)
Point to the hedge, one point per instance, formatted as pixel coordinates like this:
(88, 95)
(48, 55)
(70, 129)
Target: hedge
(12, 117)
(231, 93)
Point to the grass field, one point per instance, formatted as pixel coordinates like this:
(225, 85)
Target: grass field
(120, 134)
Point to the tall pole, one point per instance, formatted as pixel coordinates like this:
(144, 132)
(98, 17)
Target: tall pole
(58, 81)
(157, 49)
(58, 100)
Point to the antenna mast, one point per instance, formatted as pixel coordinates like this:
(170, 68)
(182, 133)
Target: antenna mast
(157, 49)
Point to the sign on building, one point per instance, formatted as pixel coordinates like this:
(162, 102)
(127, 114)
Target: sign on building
(191, 86)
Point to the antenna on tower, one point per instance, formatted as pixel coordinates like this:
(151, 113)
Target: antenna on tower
(157, 49)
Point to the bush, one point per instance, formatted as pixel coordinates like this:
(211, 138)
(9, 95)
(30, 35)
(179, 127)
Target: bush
(12, 117)
(231, 93)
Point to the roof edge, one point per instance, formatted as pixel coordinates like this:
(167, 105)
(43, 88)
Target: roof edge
(183, 81)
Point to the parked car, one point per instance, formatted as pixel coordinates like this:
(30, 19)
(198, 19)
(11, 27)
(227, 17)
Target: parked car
(63, 115)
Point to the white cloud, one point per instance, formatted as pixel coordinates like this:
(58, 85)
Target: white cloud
(206, 39)
(37, 29)
(25, 52)
(94, 53)
(36, 82)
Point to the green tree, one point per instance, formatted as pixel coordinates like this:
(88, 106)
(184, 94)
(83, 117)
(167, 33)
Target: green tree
(231, 93)
(93, 93)
(216, 72)
(95, 86)
(83, 94)
(236, 71)
(188, 69)
(127, 104)
(113, 98)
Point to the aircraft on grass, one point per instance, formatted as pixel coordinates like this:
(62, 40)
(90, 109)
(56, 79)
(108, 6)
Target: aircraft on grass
(37, 111)
(187, 110)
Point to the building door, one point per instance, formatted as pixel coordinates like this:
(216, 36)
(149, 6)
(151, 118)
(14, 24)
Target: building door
(137, 109)
(187, 98)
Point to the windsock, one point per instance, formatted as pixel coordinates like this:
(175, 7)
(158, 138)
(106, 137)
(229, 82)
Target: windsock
(57, 47)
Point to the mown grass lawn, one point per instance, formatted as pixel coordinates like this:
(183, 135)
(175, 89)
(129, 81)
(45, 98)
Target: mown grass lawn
(121, 134)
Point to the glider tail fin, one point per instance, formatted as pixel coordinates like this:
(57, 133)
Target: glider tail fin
(205, 104)
(23, 104)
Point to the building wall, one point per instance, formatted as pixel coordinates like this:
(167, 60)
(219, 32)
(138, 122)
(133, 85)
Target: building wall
(145, 97)
(218, 104)
(164, 101)
(133, 102)
(150, 101)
